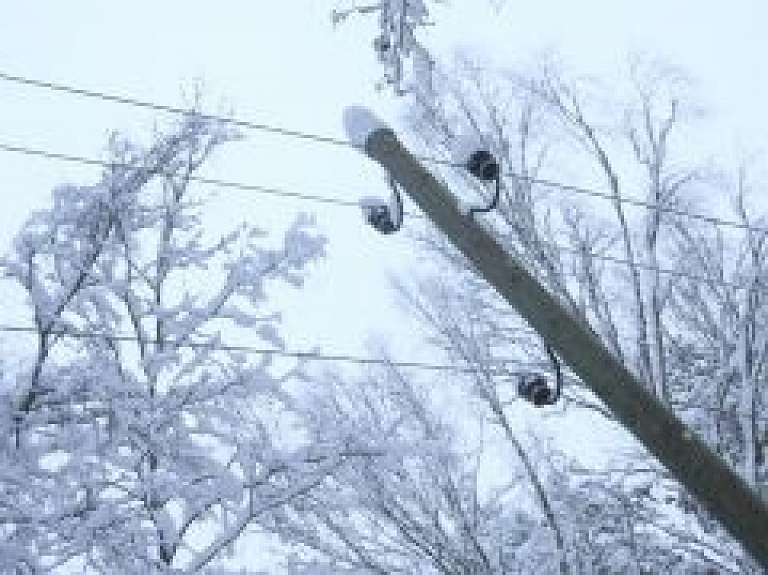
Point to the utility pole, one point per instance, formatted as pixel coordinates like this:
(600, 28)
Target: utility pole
(720, 489)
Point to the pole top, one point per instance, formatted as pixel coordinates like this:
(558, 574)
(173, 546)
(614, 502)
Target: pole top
(359, 123)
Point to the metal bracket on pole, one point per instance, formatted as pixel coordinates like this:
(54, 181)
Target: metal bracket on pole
(718, 487)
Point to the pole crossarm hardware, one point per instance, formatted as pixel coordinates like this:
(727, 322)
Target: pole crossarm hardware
(725, 494)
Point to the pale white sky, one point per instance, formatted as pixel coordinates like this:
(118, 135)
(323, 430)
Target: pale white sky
(274, 62)
(281, 62)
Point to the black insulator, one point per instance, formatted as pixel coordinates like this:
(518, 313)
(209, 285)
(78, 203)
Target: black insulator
(380, 217)
(534, 387)
(535, 390)
(386, 218)
(382, 43)
(542, 396)
(483, 166)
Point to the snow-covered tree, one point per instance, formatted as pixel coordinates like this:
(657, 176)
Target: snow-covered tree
(603, 249)
(407, 64)
(415, 504)
(134, 442)
(719, 372)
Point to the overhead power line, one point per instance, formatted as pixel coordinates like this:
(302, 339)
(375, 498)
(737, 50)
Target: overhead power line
(136, 103)
(210, 181)
(338, 202)
(330, 140)
(306, 355)
(313, 356)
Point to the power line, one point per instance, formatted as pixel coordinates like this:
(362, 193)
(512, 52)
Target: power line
(210, 181)
(306, 355)
(286, 132)
(648, 267)
(333, 201)
(311, 356)
(130, 101)
(684, 406)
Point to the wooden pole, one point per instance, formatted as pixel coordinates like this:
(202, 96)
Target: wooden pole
(719, 488)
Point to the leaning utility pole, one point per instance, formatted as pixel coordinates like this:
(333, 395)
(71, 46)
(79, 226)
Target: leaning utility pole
(723, 492)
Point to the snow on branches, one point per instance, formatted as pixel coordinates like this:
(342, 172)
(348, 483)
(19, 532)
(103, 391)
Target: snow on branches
(407, 63)
(130, 428)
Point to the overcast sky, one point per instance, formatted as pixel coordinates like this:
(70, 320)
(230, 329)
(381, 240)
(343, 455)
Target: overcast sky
(281, 62)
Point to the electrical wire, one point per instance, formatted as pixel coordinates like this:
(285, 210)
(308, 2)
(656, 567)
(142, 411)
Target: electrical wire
(305, 355)
(493, 204)
(558, 392)
(325, 357)
(136, 103)
(338, 202)
(267, 128)
(202, 180)
(680, 407)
